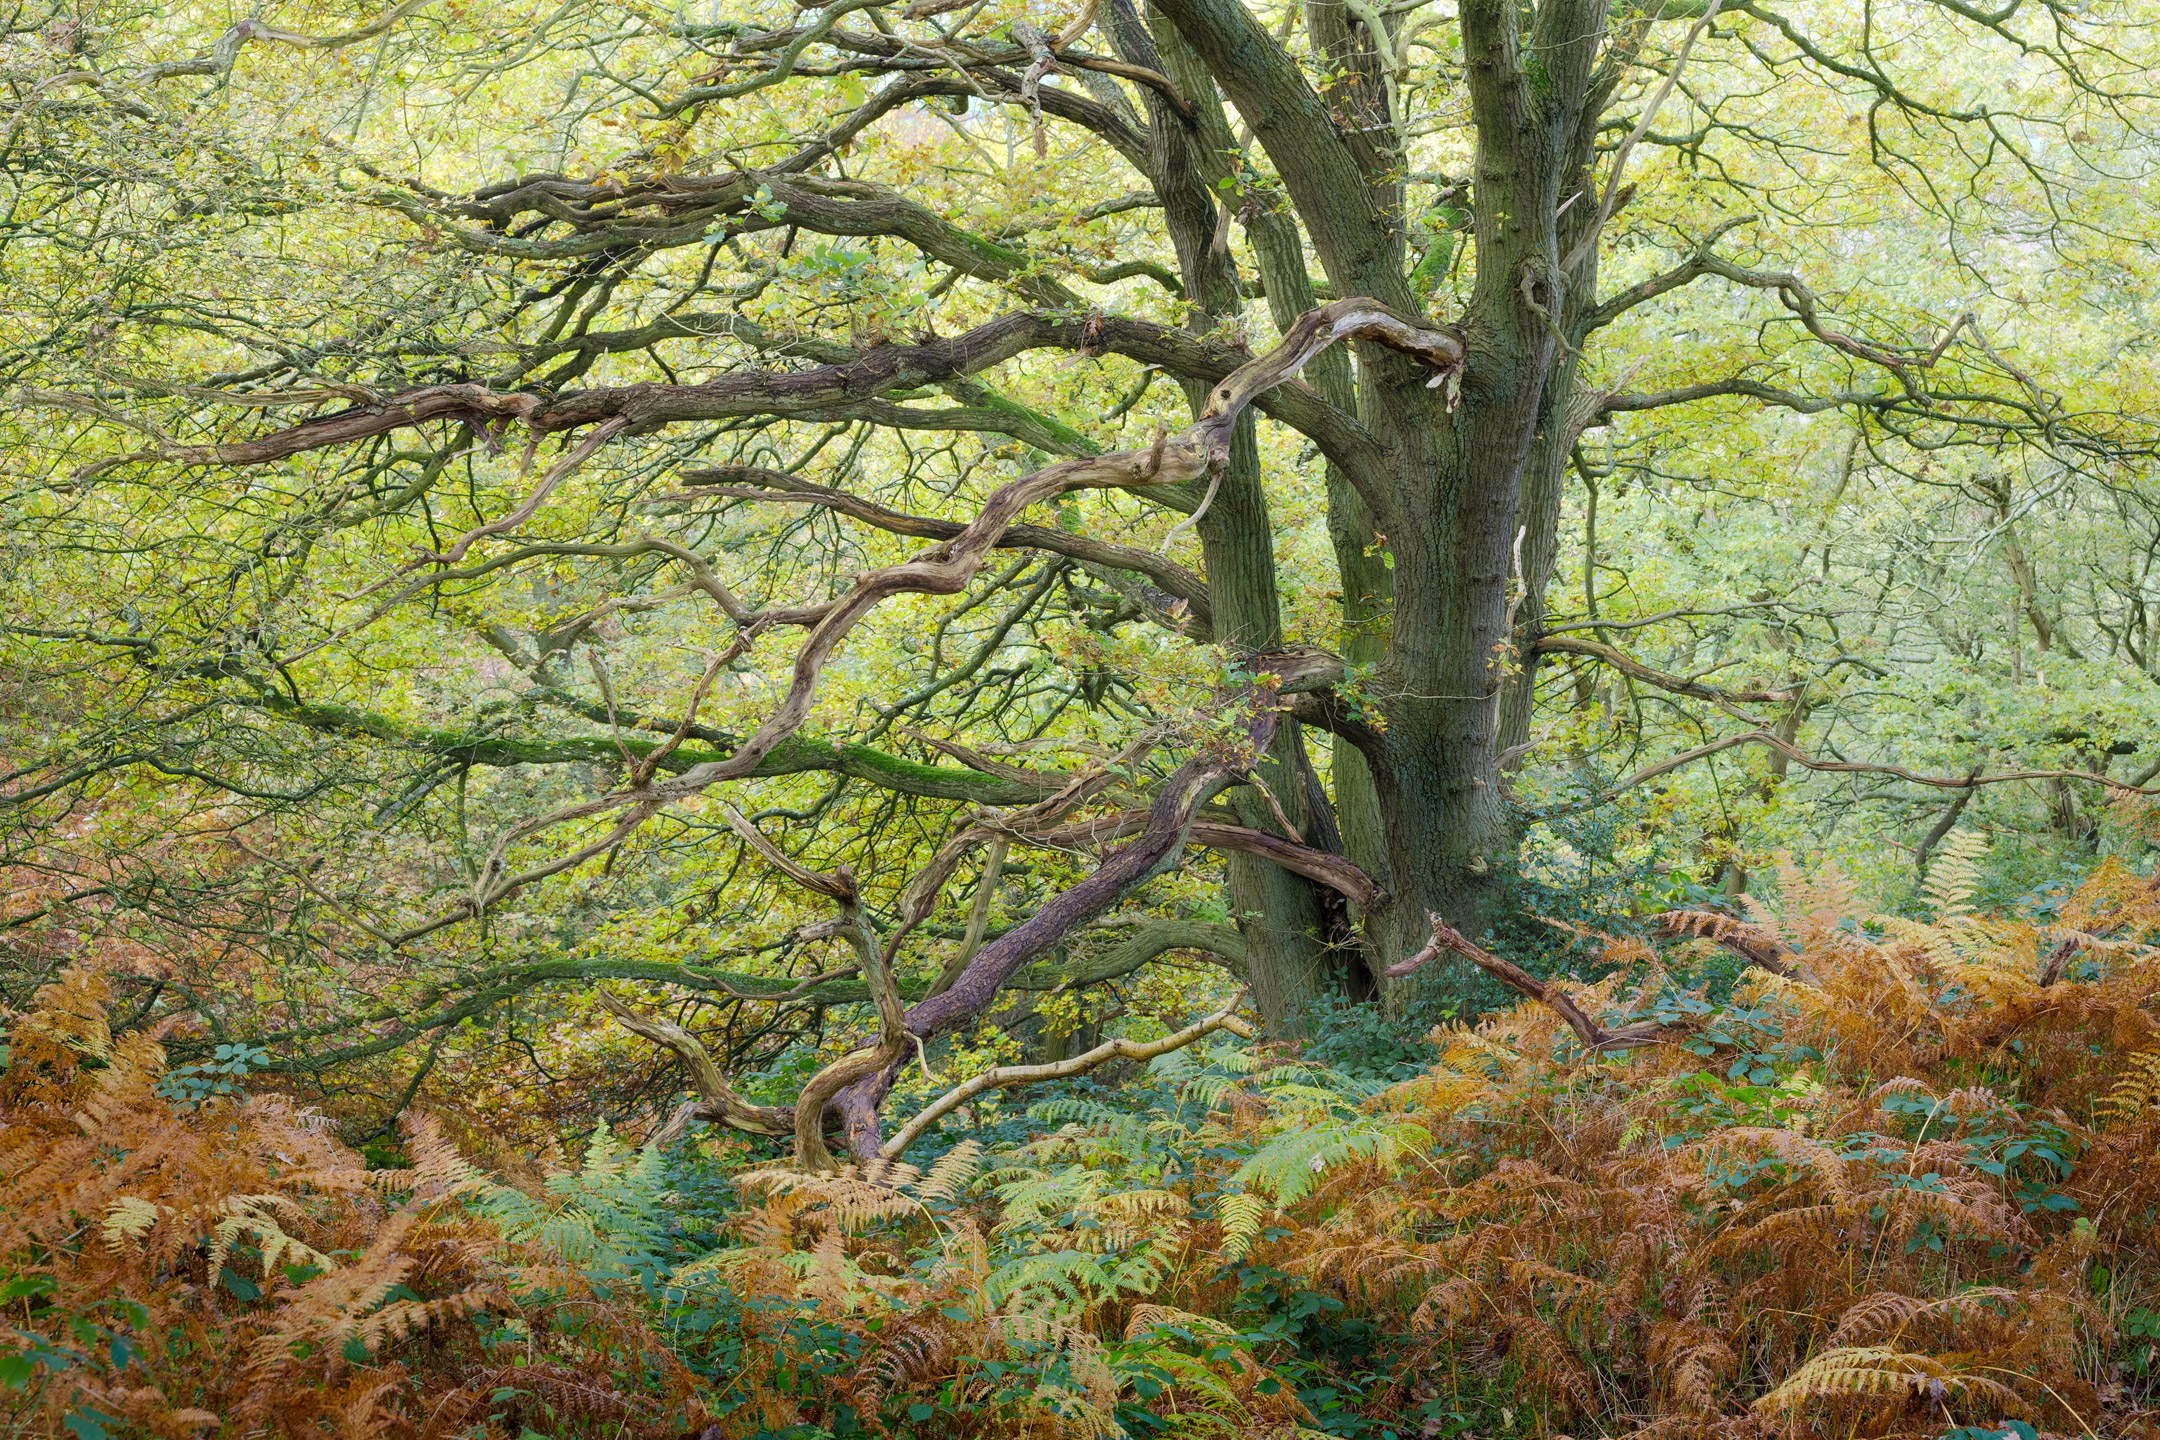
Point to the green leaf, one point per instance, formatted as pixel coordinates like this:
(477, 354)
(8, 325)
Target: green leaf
(26, 1285)
(89, 1424)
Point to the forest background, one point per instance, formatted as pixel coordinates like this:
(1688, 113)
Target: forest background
(674, 676)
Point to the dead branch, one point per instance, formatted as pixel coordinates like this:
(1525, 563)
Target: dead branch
(1595, 1037)
(805, 1119)
(2059, 958)
(1010, 1075)
(757, 483)
(875, 962)
(1751, 943)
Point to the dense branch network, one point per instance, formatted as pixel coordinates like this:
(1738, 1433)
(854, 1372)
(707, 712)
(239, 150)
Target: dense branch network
(642, 376)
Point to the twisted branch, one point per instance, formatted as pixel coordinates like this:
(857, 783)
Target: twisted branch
(947, 567)
(1596, 1038)
(1010, 1075)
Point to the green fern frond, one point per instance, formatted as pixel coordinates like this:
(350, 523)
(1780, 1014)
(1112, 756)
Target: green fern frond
(1953, 879)
(1241, 1215)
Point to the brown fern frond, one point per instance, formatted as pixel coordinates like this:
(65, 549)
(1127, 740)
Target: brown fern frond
(1872, 1371)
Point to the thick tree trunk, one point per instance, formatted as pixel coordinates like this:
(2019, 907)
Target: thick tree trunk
(1284, 917)
(1421, 806)
(1467, 570)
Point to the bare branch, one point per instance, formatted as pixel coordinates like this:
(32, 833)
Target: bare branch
(1332, 871)
(876, 962)
(1678, 685)
(1154, 850)
(1173, 578)
(1595, 1037)
(1857, 767)
(1009, 1075)
(947, 568)
(717, 1100)
(1751, 943)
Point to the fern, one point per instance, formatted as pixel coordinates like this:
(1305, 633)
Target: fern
(1856, 1198)
(213, 1260)
(2136, 1095)
(1953, 878)
(1878, 1370)
(1241, 1216)
(609, 1219)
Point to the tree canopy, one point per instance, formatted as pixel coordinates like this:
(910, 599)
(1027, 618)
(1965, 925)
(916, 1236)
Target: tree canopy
(888, 526)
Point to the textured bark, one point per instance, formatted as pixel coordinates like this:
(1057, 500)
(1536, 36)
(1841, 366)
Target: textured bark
(816, 391)
(1751, 943)
(1456, 462)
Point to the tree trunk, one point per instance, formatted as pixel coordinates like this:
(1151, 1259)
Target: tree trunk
(1283, 917)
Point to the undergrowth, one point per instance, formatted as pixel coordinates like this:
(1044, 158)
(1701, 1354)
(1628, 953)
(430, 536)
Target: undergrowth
(1906, 1188)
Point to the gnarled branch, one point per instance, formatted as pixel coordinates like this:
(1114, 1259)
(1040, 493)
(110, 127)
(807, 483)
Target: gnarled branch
(717, 1100)
(1009, 1075)
(946, 569)
(1596, 1038)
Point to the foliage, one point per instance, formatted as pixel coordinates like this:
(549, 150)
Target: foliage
(1367, 1041)
(593, 593)
(1909, 1188)
(1813, 483)
(184, 1260)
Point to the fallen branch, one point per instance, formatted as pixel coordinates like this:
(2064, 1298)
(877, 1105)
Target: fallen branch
(1010, 1075)
(2059, 958)
(1751, 943)
(1595, 1037)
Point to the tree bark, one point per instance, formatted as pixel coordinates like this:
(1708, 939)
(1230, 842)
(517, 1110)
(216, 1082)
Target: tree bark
(1456, 460)
(1283, 916)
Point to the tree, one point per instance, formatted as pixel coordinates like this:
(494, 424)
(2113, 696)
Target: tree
(347, 327)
